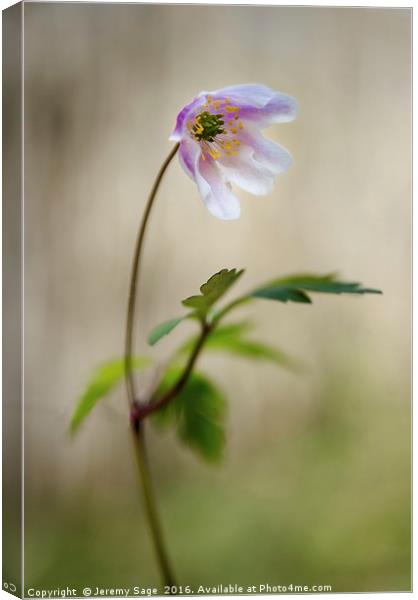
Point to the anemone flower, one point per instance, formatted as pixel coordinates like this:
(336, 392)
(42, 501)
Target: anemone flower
(221, 143)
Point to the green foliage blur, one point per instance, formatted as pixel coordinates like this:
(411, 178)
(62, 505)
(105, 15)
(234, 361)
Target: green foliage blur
(326, 503)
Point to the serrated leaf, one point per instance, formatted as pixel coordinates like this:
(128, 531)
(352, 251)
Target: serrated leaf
(211, 291)
(326, 283)
(294, 288)
(163, 329)
(197, 412)
(105, 378)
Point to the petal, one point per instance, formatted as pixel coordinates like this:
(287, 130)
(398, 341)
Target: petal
(256, 164)
(180, 127)
(269, 154)
(215, 191)
(280, 109)
(247, 93)
(246, 172)
(260, 104)
(188, 152)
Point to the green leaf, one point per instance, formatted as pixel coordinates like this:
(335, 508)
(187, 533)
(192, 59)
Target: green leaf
(282, 294)
(198, 413)
(255, 350)
(230, 330)
(294, 288)
(163, 329)
(217, 336)
(231, 339)
(211, 291)
(106, 377)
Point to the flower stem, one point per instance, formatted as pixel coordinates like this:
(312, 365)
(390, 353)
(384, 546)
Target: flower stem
(129, 332)
(137, 429)
(151, 509)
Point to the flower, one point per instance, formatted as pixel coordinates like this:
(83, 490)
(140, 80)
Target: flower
(221, 143)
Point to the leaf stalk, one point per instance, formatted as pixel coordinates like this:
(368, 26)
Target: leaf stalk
(156, 404)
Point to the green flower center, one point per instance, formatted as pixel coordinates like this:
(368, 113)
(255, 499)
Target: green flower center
(207, 126)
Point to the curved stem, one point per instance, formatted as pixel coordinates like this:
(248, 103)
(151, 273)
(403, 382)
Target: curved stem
(137, 431)
(129, 331)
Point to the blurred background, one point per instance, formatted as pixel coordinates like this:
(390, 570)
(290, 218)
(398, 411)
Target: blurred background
(315, 486)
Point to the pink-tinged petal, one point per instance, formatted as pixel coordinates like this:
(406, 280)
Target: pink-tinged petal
(256, 163)
(267, 153)
(260, 104)
(216, 191)
(180, 127)
(188, 152)
(280, 109)
(254, 94)
(246, 172)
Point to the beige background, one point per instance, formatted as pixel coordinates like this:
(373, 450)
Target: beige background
(316, 478)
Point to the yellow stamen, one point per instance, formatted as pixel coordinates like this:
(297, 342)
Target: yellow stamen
(215, 154)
